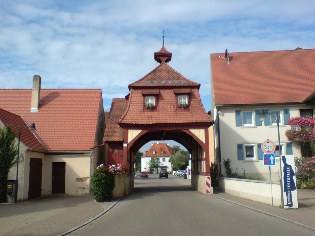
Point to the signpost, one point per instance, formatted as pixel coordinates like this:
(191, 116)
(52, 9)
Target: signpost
(269, 147)
(269, 159)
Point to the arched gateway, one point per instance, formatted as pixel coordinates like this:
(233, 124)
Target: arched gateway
(163, 105)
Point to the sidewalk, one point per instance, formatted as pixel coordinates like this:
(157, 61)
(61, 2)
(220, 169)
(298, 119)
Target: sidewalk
(55, 215)
(304, 215)
(60, 215)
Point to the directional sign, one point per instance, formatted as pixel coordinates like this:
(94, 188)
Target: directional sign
(268, 146)
(269, 159)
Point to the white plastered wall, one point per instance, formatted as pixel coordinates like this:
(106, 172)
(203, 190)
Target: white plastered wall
(77, 174)
(231, 135)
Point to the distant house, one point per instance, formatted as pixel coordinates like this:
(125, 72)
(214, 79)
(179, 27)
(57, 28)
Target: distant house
(250, 89)
(62, 150)
(162, 152)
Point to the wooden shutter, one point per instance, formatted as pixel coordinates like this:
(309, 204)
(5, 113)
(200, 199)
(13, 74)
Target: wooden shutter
(240, 152)
(238, 118)
(260, 152)
(286, 115)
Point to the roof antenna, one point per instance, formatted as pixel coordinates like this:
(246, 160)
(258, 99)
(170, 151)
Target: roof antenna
(227, 56)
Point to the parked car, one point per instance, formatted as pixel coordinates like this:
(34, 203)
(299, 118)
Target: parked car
(163, 173)
(180, 172)
(144, 174)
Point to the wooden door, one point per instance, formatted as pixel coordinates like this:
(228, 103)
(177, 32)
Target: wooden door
(58, 177)
(35, 180)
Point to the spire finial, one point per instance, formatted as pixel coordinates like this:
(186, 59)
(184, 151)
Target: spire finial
(163, 55)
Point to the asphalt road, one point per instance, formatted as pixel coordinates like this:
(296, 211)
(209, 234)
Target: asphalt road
(170, 207)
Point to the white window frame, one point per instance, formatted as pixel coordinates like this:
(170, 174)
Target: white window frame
(253, 118)
(273, 118)
(182, 99)
(149, 100)
(153, 152)
(254, 158)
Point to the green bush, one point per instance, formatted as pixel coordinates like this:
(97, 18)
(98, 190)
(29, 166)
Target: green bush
(103, 184)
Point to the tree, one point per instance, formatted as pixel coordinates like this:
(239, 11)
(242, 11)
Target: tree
(154, 163)
(8, 151)
(180, 159)
(138, 161)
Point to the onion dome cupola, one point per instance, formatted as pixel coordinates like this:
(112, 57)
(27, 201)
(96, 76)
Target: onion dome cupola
(163, 55)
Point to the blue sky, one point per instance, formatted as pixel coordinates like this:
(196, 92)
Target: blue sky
(110, 44)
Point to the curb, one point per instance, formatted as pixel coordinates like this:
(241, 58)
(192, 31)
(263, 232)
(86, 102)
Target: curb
(266, 212)
(106, 209)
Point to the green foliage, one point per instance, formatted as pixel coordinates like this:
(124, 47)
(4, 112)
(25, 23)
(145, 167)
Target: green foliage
(175, 148)
(8, 151)
(227, 166)
(103, 184)
(305, 173)
(180, 159)
(214, 173)
(154, 163)
(138, 161)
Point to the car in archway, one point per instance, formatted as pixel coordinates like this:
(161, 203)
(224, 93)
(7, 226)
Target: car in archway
(144, 174)
(163, 173)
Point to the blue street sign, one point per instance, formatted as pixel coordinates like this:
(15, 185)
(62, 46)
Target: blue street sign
(269, 159)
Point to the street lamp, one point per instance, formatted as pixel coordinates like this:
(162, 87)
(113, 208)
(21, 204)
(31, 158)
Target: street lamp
(263, 114)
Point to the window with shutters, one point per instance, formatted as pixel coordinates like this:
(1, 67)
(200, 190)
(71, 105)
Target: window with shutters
(248, 118)
(249, 151)
(277, 154)
(273, 117)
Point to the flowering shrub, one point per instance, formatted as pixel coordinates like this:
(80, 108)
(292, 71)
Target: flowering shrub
(302, 129)
(306, 172)
(103, 184)
(118, 169)
(103, 181)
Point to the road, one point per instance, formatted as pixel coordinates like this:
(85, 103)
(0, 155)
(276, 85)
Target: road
(169, 207)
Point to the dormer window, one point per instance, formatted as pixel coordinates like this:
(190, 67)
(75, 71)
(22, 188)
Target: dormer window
(182, 101)
(150, 102)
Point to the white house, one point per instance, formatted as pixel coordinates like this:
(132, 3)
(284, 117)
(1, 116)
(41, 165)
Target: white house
(250, 90)
(162, 152)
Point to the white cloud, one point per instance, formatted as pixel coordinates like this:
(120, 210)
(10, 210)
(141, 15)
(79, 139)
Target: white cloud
(110, 44)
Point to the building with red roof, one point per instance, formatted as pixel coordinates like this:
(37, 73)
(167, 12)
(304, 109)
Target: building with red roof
(249, 87)
(162, 152)
(162, 105)
(63, 149)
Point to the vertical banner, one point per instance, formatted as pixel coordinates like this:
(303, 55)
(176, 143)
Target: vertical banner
(289, 182)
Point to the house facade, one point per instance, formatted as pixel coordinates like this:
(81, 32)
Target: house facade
(61, 152)
(162, 152)
(254, 96)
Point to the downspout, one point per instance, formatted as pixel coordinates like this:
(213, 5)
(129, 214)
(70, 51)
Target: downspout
(91, 170)
(219, 138)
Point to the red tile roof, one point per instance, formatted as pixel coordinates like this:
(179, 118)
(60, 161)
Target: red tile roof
(66, 120)
(161, 150)
(166, 111)
(164, 82)
(273, 77)
(17, 124)
(163, 76)
(113, 131)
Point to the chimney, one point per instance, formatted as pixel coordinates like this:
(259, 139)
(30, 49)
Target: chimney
(35, 93)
